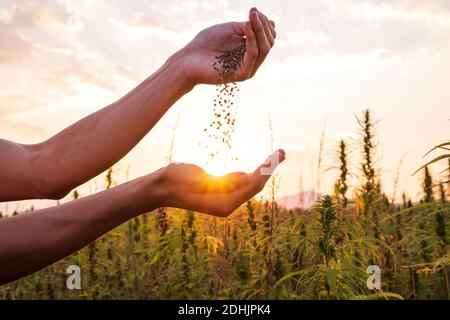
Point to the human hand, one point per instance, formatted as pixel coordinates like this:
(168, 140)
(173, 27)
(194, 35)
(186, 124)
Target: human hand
(190, 187)
(200, 54)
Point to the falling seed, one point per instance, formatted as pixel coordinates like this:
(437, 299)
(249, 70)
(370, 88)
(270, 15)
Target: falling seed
(226, 65)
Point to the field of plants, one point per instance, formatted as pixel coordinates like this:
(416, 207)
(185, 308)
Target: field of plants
(266, 252)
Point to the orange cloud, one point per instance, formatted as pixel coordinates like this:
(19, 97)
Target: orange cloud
(128, 73)
(13, 46)
(33, 14)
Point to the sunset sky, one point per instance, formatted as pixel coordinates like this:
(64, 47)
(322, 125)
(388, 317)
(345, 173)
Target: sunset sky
(61, 60)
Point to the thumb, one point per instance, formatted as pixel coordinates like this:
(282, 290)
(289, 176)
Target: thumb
(239, 28)
(258, 179)
(260, 176)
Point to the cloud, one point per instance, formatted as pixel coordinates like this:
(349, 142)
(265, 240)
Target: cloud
(14, 103)
(127, 72)
(385, 54)
(435, 7)
(33, 14)
(69, 77)
(400, 28)
(308, 36)
(13, 124)
(22, 17)
(13, 46)
(91, 78)
(143, 20)
(14, 129)
(143, 27)
(376, 12)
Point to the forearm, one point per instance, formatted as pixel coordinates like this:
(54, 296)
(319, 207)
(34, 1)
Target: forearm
(32, 241)
(98, 141)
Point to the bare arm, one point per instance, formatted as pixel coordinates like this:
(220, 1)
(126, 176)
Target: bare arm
(90, 146)
(78, 153)
(32, 241)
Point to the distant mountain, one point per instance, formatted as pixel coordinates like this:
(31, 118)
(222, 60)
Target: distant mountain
(303, 200)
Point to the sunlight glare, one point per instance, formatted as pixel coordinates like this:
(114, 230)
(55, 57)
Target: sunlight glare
(220, 165)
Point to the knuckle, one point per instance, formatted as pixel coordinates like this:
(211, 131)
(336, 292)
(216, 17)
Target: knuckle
(265, 49)
(259, 26)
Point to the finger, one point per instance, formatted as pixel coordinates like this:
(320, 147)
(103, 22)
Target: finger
(232, 181)
(216, 204)
(185, 173)
(261, 38)
(224, 184)
(223, 204)
(272, 29)
(267, 28)
(252, 50)
(238, 28)
(262, 174)
(258, 179)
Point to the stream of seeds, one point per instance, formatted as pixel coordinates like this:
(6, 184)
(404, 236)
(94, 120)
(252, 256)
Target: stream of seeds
(222, 126)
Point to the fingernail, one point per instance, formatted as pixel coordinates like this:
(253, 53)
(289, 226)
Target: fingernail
(254, 13)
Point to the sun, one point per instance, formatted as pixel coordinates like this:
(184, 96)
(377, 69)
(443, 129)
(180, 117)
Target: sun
(217, 168)
(219, 164)
(215, 157)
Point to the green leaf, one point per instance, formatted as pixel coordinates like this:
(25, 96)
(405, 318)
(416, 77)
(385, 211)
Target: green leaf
(294, 274)
(331, 280)
(441, 146)
(444, 156)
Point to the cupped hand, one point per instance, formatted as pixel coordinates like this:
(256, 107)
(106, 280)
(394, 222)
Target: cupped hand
(190, 187)
(258, 33)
